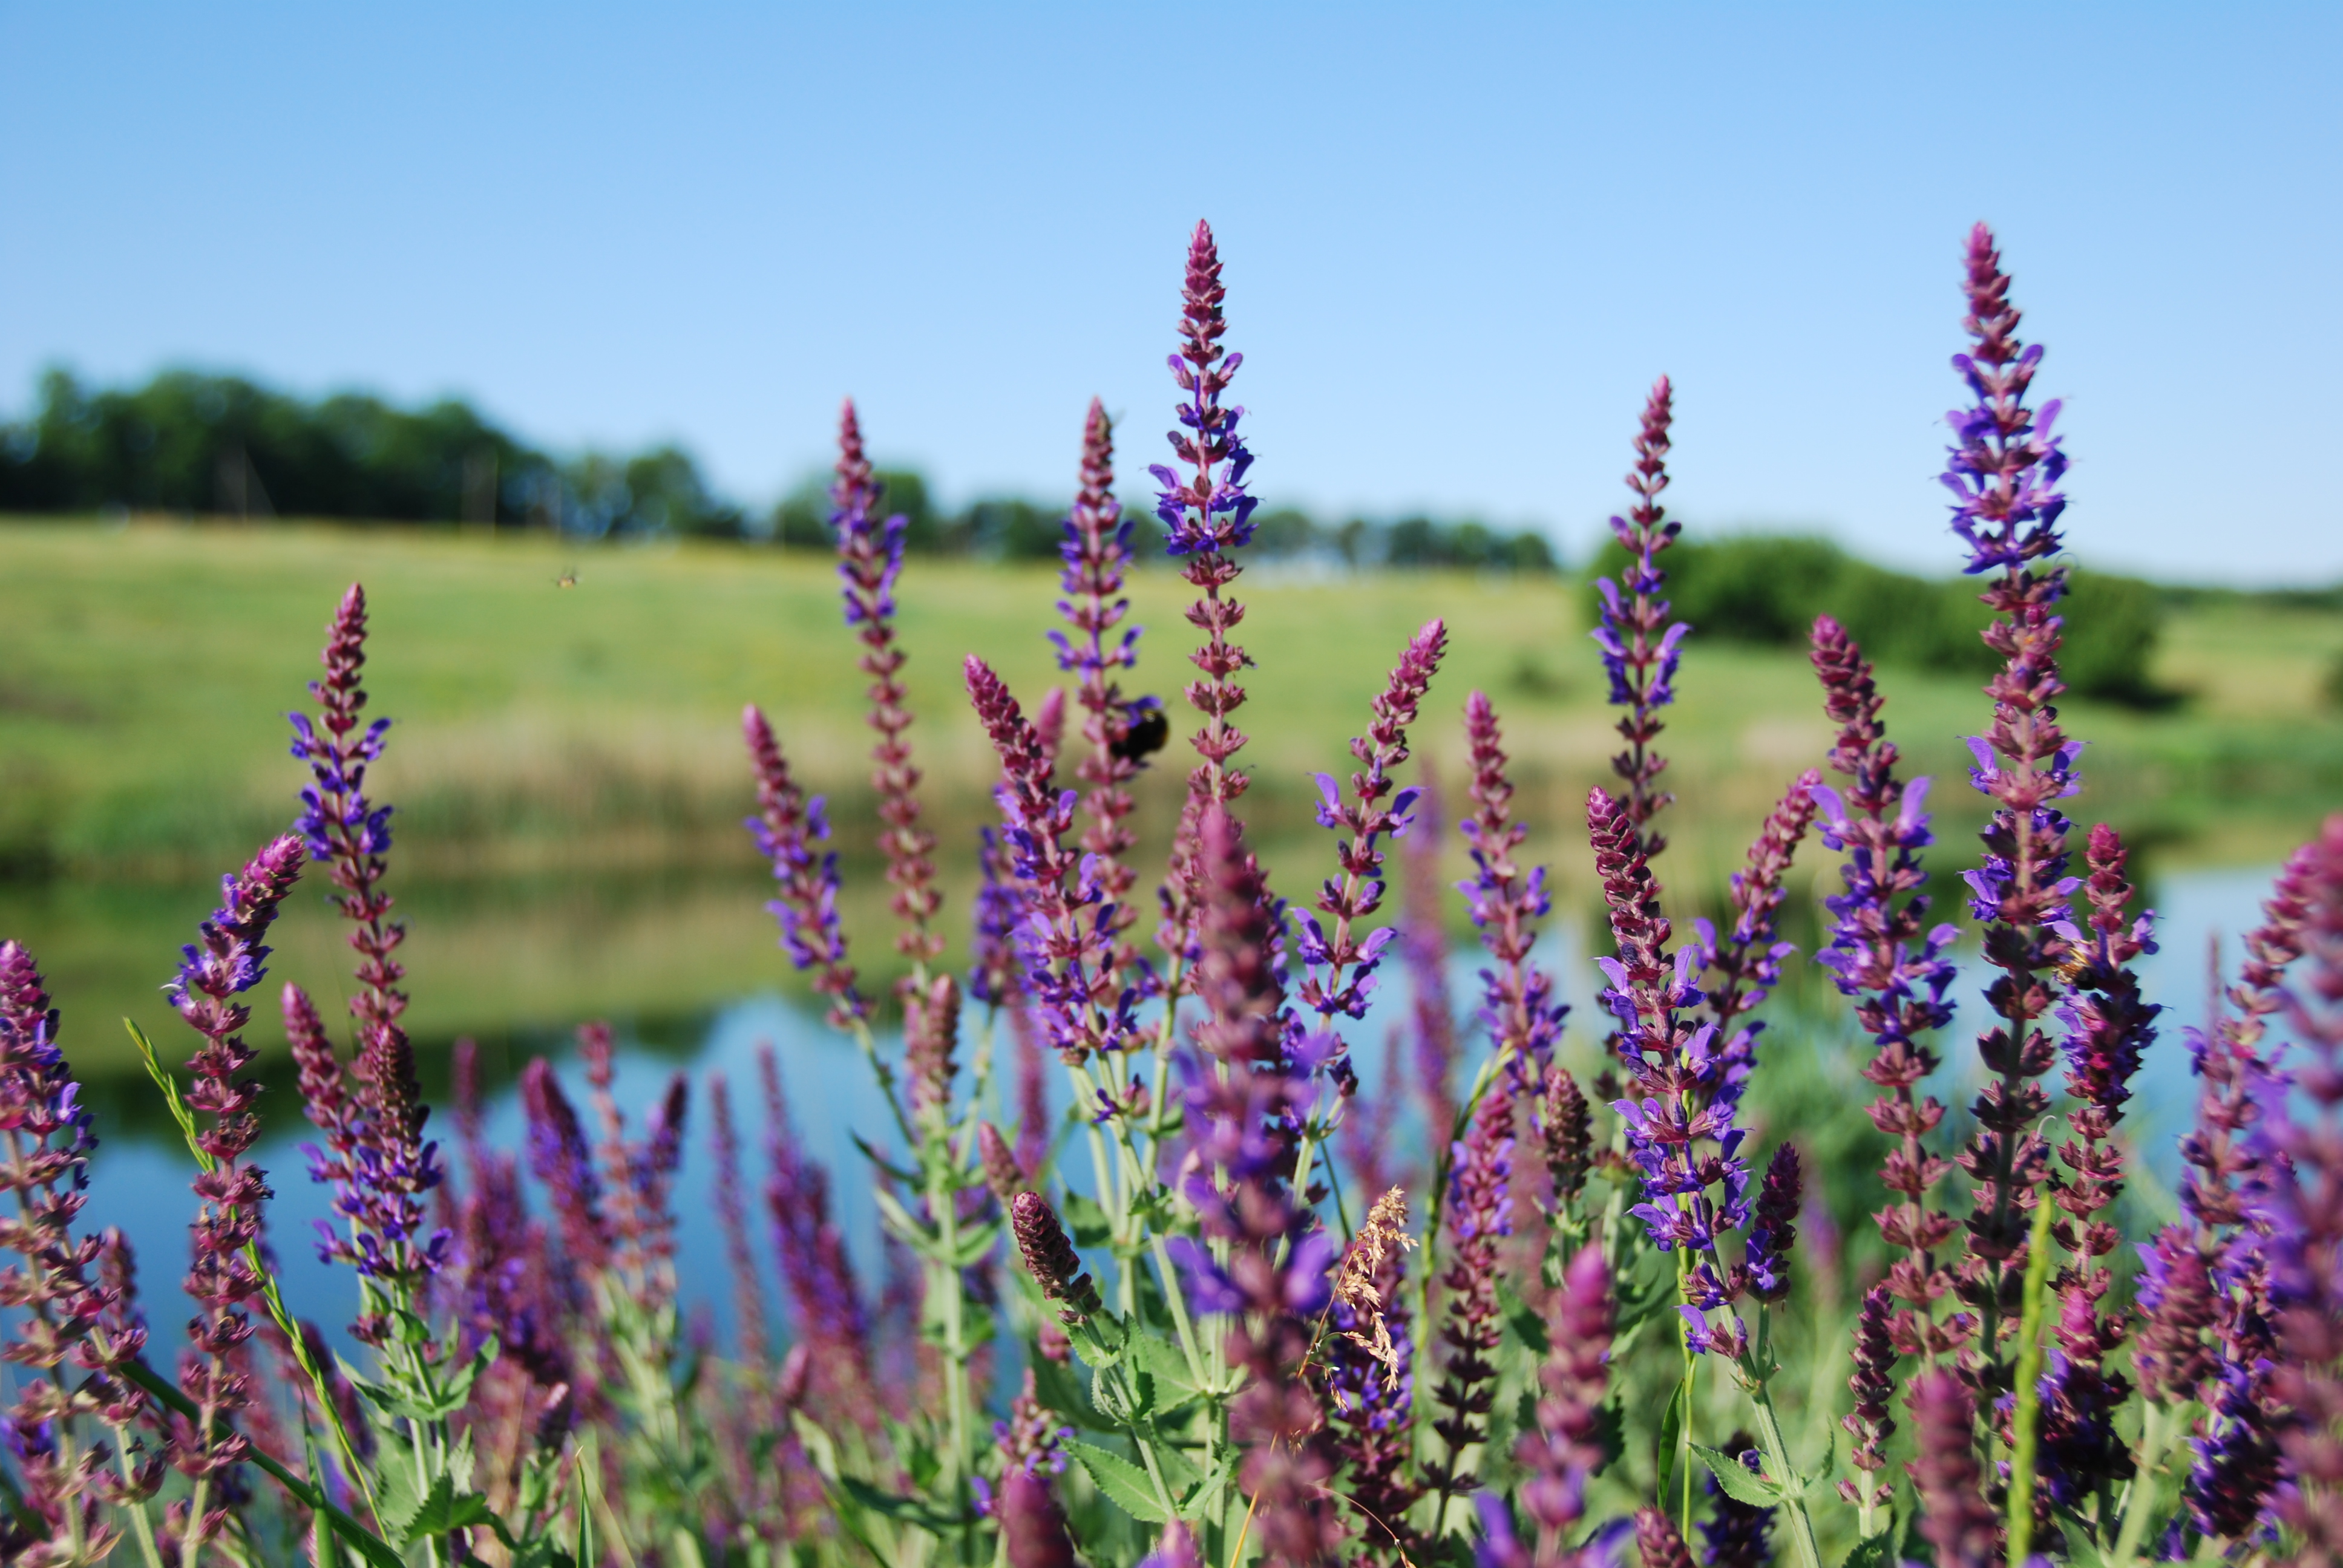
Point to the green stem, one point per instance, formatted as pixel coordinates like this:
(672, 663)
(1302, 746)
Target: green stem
(2025, 1419)
(2157, 1428)
(1777, 1458)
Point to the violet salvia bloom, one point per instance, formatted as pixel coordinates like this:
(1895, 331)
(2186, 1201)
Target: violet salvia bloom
(1337, 967)
(224, 963)
(1175, 1549)
(2305, 1216)
(732, 1217)
(1066, 937)
(1049, 1257)
(2177, 1304)
(1955, 1517)
(1275, 1278)
(1033, 1531)
(1883, 954)
(1424, 948)
(2107, 1027)
(1566, 1129)
(58, 1310)
(931, 1033)
(1640, 645)
(1773, 1227)
(381, 1166)
(1517, 998)
(1207, 516)
(992, 943)
(2003, 472)
(869, 559)
(560, 1158)
(1118, 731)
(1478, 1216)
(1567, 1447)
(1733, 1535)
(635, 1173)
(1874, 1384)
(791, 831)
(1741, 967)
(1004, 1173)
(1657, 1542)
(830, 1312)
(1679, 1071)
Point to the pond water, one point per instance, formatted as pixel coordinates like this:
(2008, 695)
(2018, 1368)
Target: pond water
(138, 1180)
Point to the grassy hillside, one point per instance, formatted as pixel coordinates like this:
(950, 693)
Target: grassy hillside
(582, 741)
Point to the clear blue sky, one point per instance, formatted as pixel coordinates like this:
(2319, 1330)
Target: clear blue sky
(1460, 240)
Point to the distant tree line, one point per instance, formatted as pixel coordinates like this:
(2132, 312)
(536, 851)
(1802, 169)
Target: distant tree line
(1769, 588)
(1016, 530)
(219, 445)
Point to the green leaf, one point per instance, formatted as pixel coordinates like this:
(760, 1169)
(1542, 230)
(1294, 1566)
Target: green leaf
(1162, 1361)
(1086, 1220)
(1737, 1481)
(900, 1222)
(1670, 1432)
(1180, 1472)
(909, 1510)
(908, 1178)
(170, 1087)
(1871, 1551)
(1123, 1483)
(1107, 1397)
(1821, 1475)
(1611, 1432)
(1055, 1386)
(444, 1509)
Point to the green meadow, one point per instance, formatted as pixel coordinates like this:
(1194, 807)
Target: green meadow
(567, 768)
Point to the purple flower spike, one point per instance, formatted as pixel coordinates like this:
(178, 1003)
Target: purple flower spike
(1955, 1517)
(869, 559)
(2306, 1224)
(1207, 516)
(224, 963)
(1884, 954)
(2002, 472)
(70, 1297)
(1242, 1116)
(1681, 1100)
(790, 831)
(380, 1167)
(1640, 646)
(1338, 970)
(1119, 732)
(1733, 1535)
(1566, 1446)
(1518, 1006)
(1478, 1217)
(1066, 939)
(830, 1315)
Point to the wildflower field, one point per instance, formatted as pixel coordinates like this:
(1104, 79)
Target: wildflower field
(1653, 1288)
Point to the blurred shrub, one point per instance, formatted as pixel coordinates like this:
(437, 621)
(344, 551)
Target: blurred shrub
(1767, 588)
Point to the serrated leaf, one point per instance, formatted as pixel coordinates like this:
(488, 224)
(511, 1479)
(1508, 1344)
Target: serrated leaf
(1124, 1483)
(1163, 1361)
(1737, 1481)
(444, 1509)
(1872, 1551)
(1106, 1397)
(1181, 1474)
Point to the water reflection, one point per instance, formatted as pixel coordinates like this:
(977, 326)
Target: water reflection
(138, 1180)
